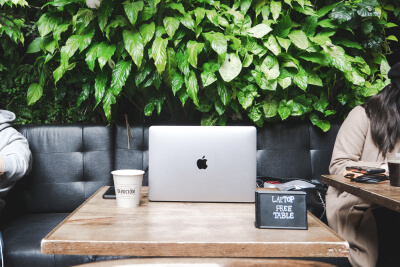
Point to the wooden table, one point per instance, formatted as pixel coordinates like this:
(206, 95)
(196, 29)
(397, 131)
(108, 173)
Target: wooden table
(207, 262)
(381, 193)
(183, 229)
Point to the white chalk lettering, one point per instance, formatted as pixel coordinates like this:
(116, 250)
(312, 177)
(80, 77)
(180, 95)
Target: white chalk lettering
(283, 215)
(284, 208)
(283, 199)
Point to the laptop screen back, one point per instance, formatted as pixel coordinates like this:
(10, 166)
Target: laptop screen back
(202, 163)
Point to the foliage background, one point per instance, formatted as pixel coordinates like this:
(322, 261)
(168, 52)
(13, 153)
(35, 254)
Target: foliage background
(207, 61)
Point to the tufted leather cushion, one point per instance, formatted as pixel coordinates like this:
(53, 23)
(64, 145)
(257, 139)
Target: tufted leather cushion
(70, 162)
(294, 150)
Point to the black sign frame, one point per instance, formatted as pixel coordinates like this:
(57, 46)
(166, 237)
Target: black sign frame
(281, 210)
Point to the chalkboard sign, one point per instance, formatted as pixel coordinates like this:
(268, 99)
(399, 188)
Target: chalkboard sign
(281, 209)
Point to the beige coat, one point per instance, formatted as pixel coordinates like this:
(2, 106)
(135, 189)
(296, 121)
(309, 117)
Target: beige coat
(348, 215)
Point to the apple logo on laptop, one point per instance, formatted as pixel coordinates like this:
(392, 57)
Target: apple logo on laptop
(202, 163)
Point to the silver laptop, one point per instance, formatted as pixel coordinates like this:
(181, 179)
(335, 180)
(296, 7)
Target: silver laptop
(202, 163)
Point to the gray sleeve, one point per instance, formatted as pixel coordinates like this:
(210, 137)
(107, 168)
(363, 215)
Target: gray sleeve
(17, 156)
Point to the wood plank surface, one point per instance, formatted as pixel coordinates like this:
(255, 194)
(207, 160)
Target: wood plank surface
(381, 193)
(205, 262)
(184, 229)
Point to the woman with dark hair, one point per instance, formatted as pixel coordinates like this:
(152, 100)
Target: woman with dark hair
(367, 135)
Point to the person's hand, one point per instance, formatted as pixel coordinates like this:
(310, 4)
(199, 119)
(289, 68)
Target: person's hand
(353, 174)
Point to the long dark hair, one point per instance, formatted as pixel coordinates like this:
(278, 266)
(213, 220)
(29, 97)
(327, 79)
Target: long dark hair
(383, 111)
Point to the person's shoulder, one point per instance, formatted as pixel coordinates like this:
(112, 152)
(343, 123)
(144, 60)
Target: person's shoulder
(358, 112)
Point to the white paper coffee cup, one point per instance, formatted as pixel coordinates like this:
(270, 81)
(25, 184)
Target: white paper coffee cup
(128, 184)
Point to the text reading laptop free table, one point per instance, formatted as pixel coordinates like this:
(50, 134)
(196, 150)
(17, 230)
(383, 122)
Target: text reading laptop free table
(381, 193)
(183, 229)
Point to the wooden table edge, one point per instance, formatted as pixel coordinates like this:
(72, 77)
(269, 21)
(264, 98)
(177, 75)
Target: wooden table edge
(260, 249)
(362, 193)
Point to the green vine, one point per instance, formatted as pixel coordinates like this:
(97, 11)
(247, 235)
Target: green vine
(261, 60)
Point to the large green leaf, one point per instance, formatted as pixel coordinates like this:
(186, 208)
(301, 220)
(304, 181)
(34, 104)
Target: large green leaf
(276, 8)
(177, 6)
(59, 72)
(177, 82)
(270, 108)
(86, 40)
(259, 31)
(149, 107)
(84, 93)
(147, 32)
(326, 9)
(285, 43)
(132, 10)
(82, 19)
(224, 93)
(245, 5)
(134, 45)
(194, 48)
(273, 45)
(159, 52)
(46, 24)
(105, 11)
(100, 86)
(231, 67)
(337, 58)
(342, 13)
(192, 87)
(49, 44)
(301, 79)
(310, 25)
(208, 78)
(183, 62)
(171, 24)
(188, 22)
(324, 125)
(70, 47)
(91, 56)
(313, 78)
(212, 16)
(140, 76)
(59, 29)
(108, 100)
(34, 46)
(35, 92)
(119, 76)
(270, 68)
(285, 108)
(299, 39)
(218, 43)
(316, 57)
(348, 43)
(170, 67)
(199, 13)
(283, 27)
(355, 77)
(105, 52)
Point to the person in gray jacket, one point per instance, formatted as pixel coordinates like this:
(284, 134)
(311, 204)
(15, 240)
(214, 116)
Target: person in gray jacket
(15, 156)
(15, 159)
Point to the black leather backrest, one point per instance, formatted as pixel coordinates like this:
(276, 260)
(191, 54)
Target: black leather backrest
(321, 146)
(70, 162)
(294, 150)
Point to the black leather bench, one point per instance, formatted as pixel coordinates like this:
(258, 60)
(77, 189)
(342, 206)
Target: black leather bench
(71, 162)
